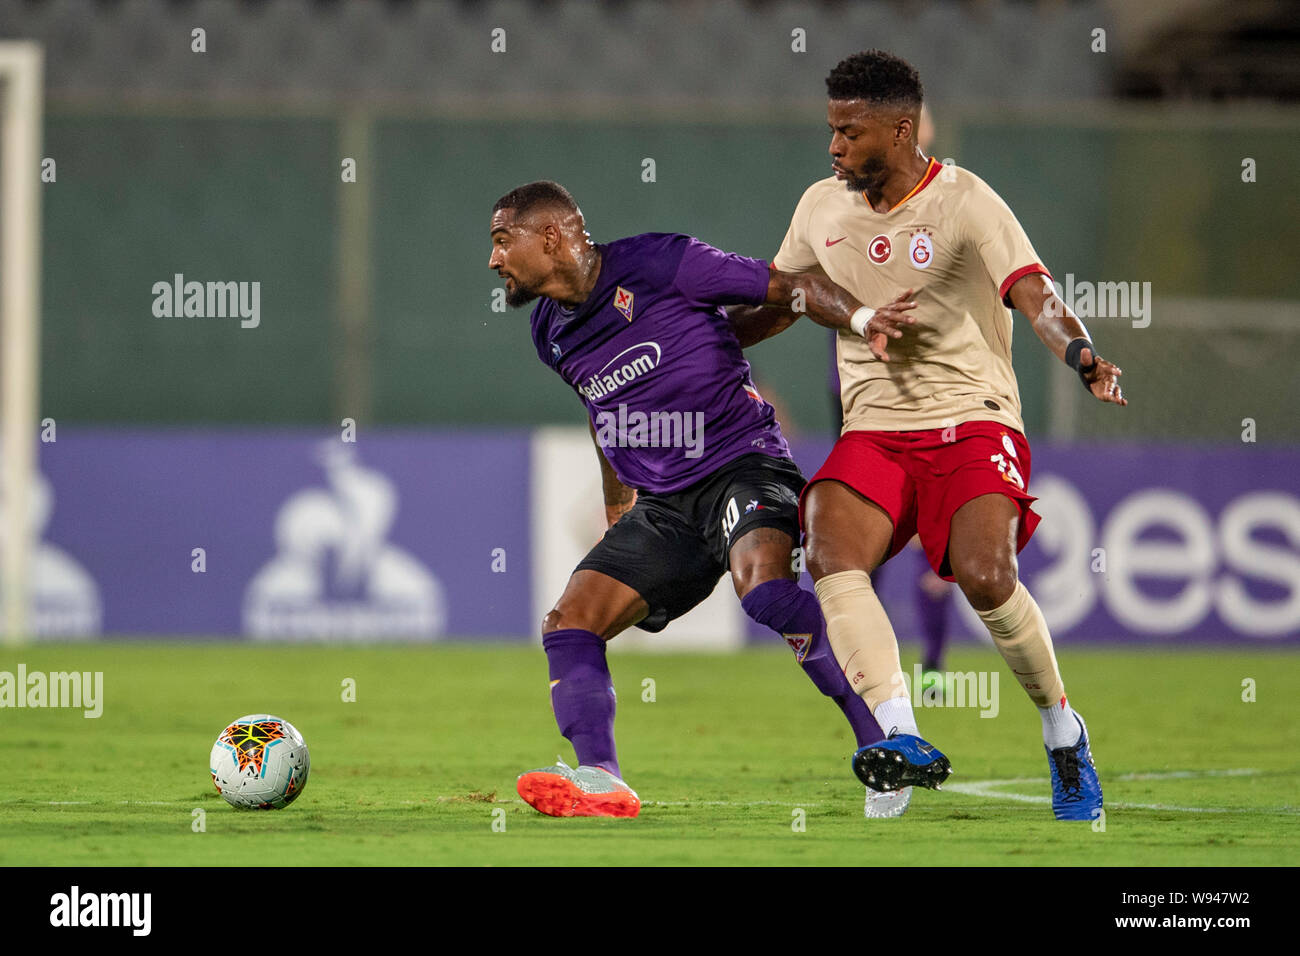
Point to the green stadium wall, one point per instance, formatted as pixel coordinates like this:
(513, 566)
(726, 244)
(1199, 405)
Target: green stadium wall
(141, 197)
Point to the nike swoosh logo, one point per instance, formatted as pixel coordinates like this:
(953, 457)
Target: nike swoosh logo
(831, 242)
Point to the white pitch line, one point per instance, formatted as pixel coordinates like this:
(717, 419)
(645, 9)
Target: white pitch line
(1184, 774)
(985, 788)
(662, 803)
(735, 803)
(977, 788)
(111, 803)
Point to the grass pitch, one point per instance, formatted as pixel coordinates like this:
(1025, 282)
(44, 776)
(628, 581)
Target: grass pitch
(737, 759)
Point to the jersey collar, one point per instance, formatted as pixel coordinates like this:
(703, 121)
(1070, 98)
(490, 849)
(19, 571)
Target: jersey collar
(931, 171)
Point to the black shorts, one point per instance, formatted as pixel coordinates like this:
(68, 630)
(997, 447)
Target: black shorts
(672, 549)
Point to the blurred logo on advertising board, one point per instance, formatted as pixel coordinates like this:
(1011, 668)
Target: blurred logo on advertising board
(334, 573)
(64, 597)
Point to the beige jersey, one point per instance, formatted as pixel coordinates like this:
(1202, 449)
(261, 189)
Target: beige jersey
(955, 242)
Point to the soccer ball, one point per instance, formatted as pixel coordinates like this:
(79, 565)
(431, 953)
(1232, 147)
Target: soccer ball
(259, 762)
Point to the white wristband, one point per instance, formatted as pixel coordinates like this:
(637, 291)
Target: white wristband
(858, 322)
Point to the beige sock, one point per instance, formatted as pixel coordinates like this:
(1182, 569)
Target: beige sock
(861, 637)
(1020, 633)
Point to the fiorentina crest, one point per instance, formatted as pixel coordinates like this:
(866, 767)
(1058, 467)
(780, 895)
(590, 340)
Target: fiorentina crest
(623, 302)
(800, 644)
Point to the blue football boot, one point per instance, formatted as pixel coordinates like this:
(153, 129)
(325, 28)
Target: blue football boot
(1076, 790)
(901, 760)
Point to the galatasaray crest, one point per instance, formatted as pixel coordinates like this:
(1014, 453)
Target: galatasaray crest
(921, 249)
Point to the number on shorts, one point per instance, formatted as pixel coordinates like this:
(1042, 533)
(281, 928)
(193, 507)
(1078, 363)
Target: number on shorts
(1008, 469)
(730, 518)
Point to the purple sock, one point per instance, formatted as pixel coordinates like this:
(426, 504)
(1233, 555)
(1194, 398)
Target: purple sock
(795, 614)
(933, 612)
(582, 695)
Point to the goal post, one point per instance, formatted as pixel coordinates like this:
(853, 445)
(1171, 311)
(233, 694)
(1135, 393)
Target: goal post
(21, 109)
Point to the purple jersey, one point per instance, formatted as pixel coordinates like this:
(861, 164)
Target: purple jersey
(653, 357)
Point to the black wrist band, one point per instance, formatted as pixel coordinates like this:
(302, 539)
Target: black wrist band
(1073, 352)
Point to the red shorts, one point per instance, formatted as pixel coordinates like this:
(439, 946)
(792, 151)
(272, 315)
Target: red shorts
(920, 480)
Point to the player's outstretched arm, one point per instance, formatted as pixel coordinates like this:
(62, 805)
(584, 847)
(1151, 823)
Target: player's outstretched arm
(754, 323)
(619, 498)
(791, 293)
(829, 305)
(1063, 333)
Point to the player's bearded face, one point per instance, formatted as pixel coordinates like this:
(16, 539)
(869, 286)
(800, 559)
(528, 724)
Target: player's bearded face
(517, 257)
(518, 294)
(869, 174)
(859, 144)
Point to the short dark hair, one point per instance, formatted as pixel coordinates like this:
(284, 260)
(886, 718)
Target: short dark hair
(877, 77)
(523, 199)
